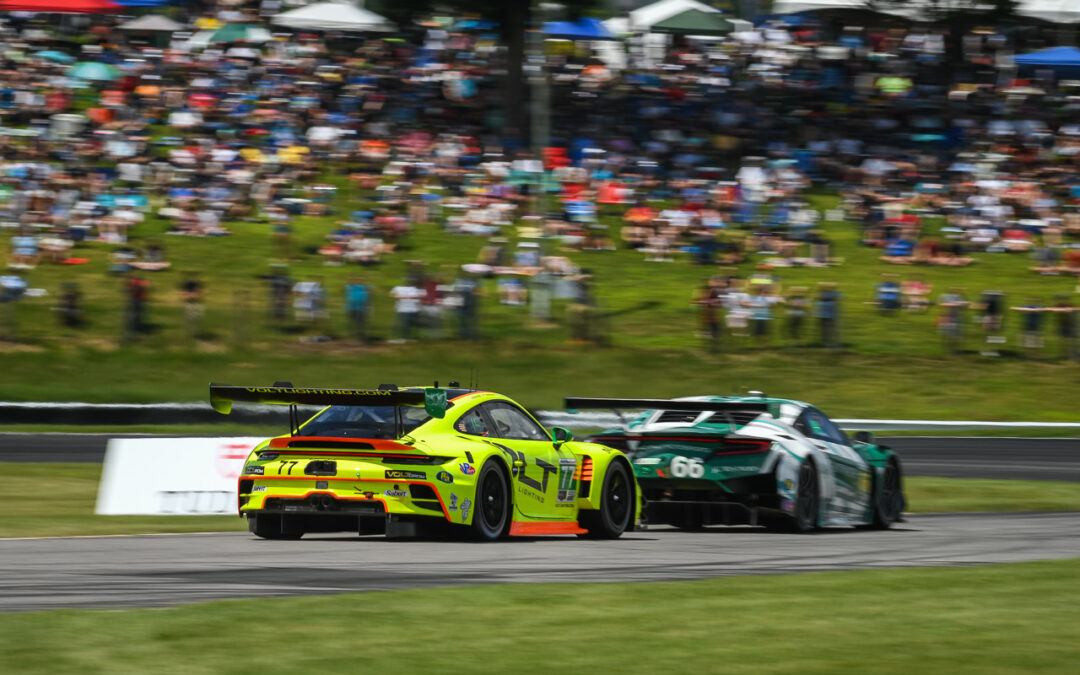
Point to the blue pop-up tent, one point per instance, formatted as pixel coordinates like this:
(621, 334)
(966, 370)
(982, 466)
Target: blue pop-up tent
(1062, 60)
(582, 29)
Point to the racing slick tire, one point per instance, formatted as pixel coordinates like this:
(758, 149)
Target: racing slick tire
(274, 526)
(889, 500)
(807, 500)
(616, 512)
(491, 519)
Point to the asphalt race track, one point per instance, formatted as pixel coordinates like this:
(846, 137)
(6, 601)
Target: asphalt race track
(951, 457)
(162, 570)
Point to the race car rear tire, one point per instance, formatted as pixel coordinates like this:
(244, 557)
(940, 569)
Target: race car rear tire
(491, 519)
(889, 500)
(616, 512)
(274, 526)
(808, 499)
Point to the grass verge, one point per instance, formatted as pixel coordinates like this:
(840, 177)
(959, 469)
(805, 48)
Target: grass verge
(990, 619)
(57, 499)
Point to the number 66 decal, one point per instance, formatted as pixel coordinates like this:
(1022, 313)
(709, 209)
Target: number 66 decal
(683, 467)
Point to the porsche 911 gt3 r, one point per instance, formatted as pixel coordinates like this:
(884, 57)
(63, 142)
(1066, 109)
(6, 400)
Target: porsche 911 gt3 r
(752, 460)
(387, 459)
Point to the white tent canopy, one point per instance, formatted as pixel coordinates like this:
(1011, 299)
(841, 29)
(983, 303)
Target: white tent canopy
(1057, 11)
(334, 15)
(152, 22)
(644, 18)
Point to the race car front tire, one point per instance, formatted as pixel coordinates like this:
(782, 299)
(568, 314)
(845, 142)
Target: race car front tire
(491, 519)
(274, 526)
(616, 511)
(889, 500)
(808, 499)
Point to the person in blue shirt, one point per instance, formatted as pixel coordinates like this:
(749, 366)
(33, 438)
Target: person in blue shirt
(357, 300)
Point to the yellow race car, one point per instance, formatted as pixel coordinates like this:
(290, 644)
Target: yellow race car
(390, 458)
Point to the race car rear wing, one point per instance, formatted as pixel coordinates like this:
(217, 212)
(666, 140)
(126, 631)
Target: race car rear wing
(223, 395)
(574, 403)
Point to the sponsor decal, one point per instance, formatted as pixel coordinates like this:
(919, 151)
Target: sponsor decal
(259, 488)
(525, 492)
(453, 502)
(787, 505)
(252, 470)
(736, 469)
(465, 506)
(787, 484)
(566, 491)
(648, 461)
(396, 493)
(397, 474)
(467, 469)
(292, 390)
(864, 483)
(445, 477)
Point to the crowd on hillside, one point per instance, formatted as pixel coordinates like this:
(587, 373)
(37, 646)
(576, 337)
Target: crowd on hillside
(708, 152)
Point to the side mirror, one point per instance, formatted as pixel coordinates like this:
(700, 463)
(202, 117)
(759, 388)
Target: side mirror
(865, 437)
(560, 435)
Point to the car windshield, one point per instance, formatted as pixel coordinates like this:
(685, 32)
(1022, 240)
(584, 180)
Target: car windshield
(364, 421)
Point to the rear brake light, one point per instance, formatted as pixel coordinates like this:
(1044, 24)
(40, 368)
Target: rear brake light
(738, 446)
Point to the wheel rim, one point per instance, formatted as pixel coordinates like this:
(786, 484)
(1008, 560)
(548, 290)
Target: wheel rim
(492, 500)
(807, 498)
(618, 498)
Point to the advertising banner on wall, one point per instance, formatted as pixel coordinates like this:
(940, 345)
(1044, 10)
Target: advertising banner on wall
(172, 476)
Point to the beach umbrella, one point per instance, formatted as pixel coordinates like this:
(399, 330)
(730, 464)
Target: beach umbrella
(54, 56)
(92, 70)
(237, 32)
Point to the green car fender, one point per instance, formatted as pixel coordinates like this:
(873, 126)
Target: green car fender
(878, 457)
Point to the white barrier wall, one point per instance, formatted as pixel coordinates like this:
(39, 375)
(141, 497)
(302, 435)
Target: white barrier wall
(172, 476)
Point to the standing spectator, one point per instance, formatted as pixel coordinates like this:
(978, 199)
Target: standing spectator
(797, 307)
(710, 298)
(827, 312)
(760, 303)
(357, 299)
(309, 303)
(1031, 324)
(467, 292)
(70, 306)
(992, 305)
(191, 295)
(1068, 327)
(951, 319)
(280, 285)
(581, 310)
(407, 308)
(137, 290)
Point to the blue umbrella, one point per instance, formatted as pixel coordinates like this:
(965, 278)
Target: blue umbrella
(92, 70)
(55, 56)
(582, 29)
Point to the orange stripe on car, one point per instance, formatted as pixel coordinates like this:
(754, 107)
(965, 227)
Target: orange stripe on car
(537, 529)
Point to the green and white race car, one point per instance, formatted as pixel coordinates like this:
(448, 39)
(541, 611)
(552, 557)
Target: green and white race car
(754, 460)
(391, 459)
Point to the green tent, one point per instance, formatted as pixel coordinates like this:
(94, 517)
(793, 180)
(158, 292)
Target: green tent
(694, 22)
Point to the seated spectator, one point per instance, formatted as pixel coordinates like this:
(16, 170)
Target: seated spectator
(916, 294)
(887, 294)
(25, 250)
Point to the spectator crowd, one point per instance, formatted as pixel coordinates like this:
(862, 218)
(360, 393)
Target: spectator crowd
(715, 153)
